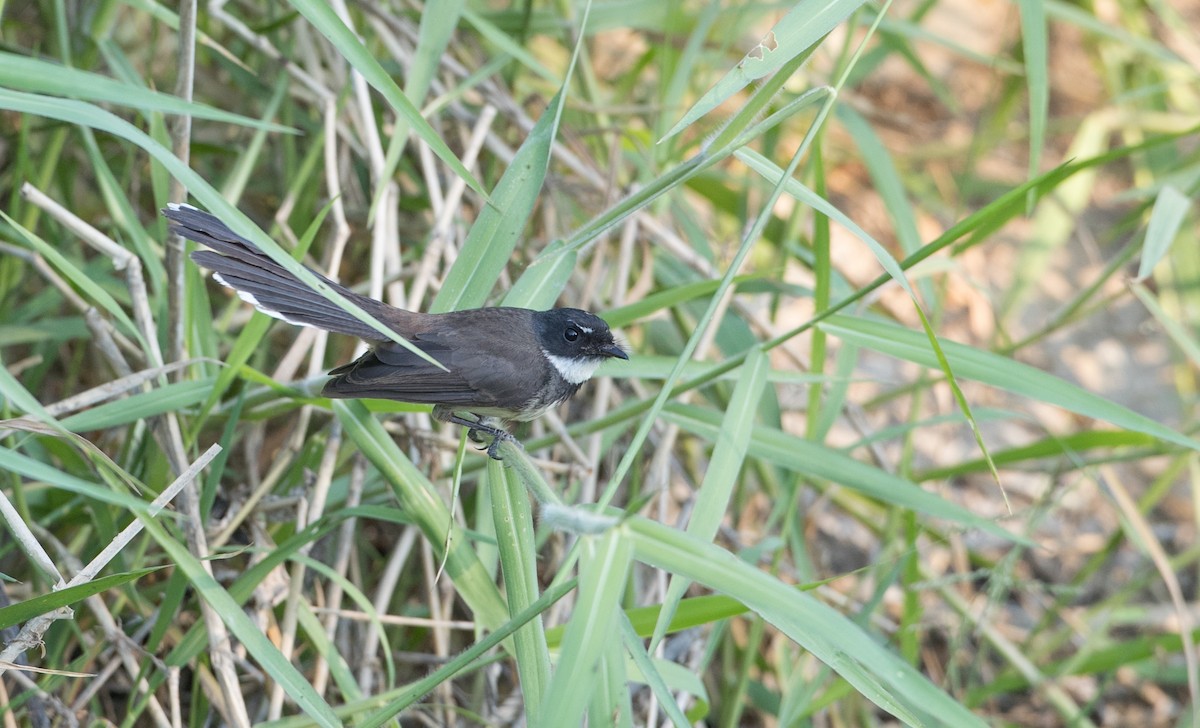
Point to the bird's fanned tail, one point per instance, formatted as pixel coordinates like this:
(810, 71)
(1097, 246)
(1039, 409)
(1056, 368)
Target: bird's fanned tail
(239, 264)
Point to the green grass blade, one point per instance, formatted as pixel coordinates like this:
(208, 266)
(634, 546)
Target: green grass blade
(611, 704)
(494, 236)
(540, 285)
(876, 672)
(805, 24)
(518, 560)
(771, 171)
(325, 20)
(603, 569)
(251, 635)
(71, 272)
(1185, 339)
(48, 475)
(433, 37)
(826, 464)
(1073, 446)
(1170, 207)
(493, 34)
(732, 441)
(422, 502)
(36, 606)
(650, 674)
(998, 371)
(173, 397)
(34, 75)
(669, 298)
(500, 225)
(124, 214)
(1080, 17)
(885, 176)
(1034, 42)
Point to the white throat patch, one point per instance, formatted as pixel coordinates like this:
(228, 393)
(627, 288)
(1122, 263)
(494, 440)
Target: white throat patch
(575, 371)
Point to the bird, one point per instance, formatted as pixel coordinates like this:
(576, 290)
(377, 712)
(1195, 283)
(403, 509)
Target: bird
(500, 363)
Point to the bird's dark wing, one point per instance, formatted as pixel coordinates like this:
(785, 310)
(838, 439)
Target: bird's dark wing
(478, 378)
(491, 365)
(392, 372)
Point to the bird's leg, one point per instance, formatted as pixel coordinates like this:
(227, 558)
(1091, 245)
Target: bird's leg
(474, 427)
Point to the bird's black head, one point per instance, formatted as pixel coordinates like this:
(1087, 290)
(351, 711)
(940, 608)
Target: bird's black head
(575, 342)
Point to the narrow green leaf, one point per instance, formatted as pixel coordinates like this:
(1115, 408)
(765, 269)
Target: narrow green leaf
(34, 75)
(823, 463)
(1183, 336)
(1034, 43)
(793, 187)
(1051, 447)
(1170, 207)
(650, 366)
(250, 634)
(539, 286)
(125, 218)
(913, 31)
(322, 17)
(71, 272)
(339, 668)
(805, 24)
(506, 44)
(24, 611)
(670, 297)
(875, 671)
(998, 371)
(46, 329)
(422, 502)
(41, 472)
(611, 704)
(731, 443)
(250, 158)
(172, 397)
(433, 37)
(518, 560)
(1055, 224)
(500, 225)
(652, 676)
(14, 394)
(364, 604)
(884, 175)
(604, 567)
(1079, 16)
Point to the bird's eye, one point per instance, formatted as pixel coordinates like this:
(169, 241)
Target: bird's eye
(571, 334)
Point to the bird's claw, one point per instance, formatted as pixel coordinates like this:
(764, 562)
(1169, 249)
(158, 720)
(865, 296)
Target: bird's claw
(476, 429)
(493, 448)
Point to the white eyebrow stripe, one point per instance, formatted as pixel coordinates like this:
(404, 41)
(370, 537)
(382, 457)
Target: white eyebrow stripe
(586, 330)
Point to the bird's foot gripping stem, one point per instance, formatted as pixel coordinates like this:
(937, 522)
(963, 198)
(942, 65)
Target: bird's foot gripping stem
(475, 428)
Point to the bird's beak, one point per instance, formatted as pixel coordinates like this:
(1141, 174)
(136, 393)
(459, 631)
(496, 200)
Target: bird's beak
(613, 351)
